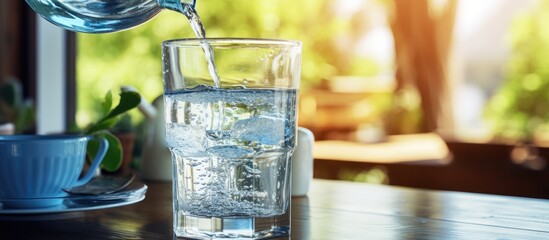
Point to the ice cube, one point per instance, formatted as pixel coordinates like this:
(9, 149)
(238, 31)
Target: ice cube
(266, 130)
(185, 137)
(217, 134)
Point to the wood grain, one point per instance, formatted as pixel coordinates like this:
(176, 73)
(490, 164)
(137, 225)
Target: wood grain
(333, 210)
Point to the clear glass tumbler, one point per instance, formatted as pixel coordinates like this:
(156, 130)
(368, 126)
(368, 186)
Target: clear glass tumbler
(231, 123)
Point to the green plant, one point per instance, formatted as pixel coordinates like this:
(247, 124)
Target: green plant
(332, 43)
(14, 108)
(102, 128)
(520, 108)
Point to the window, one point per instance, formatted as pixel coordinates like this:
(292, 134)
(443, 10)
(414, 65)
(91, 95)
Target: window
(348, 50)
(34, 53)
(341, 38)
(484, 37)
(480, 44)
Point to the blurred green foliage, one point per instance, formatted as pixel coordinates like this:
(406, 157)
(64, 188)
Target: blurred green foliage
(520, 108)
(375, 175)
(133, 57)
(14, 108)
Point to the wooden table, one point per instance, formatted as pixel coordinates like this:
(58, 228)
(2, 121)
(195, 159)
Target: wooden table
(333, 210)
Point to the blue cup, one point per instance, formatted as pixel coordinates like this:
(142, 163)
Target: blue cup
(34, 169)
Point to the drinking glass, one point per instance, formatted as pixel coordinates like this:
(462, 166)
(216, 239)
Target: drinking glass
(230, 112)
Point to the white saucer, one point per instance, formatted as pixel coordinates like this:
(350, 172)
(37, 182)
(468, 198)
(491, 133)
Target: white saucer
(133, 194)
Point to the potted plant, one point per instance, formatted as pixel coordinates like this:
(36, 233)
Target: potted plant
(103, 128)
(20, 113)
(124, 131)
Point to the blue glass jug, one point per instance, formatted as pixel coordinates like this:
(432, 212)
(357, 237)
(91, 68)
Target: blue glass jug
(100, 16)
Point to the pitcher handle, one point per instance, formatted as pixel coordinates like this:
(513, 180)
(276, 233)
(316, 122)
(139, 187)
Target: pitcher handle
(103, 147)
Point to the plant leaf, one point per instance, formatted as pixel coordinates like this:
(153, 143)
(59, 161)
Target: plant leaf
(128, 101)
(113, 157)
(25, 118)
(106, 104)
(102, 125)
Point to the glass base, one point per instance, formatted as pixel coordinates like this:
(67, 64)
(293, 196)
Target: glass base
(193, 227)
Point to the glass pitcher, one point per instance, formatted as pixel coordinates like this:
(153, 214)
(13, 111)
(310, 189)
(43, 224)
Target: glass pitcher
(101, 16)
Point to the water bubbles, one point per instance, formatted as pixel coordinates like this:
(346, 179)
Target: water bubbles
(194, 163)
(261, 194)
(184, 137)
(232, 147)
(252, 170)
(230, 152)
(217, 134)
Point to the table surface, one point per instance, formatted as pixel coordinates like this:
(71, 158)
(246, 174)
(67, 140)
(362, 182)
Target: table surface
(332, 210)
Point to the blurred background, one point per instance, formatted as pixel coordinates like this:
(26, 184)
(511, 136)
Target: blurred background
(375, 65)
(440, 94)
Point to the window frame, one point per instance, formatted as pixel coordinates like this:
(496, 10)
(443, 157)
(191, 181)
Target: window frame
(31, 60)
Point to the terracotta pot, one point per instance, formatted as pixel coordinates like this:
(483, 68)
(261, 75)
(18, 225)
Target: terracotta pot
(128, 141)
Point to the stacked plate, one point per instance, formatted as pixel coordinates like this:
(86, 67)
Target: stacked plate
(133, 193)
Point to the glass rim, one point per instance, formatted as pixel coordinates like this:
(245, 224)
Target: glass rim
(194, 42)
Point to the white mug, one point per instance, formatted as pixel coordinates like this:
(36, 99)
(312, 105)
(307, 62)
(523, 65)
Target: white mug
(302, 162)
